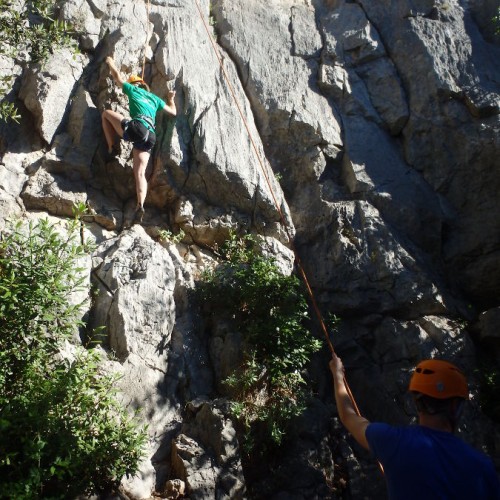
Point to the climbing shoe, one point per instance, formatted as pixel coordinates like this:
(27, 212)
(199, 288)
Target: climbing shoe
(139, 214)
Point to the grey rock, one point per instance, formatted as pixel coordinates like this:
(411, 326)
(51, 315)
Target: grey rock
(83, 15)
(52, 193)
(137, 271)
(226, 353)
(12, 181)
(46, 90)
(282, 94)
(175, 488)
(375, 130)
(386, 93)
(234, 171)
(306, 41)
(84, 127)
(446, 87)
(136, 306)
(206, 456)
(350, 37)
(354, 248)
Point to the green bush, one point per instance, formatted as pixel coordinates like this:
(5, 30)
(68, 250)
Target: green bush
(29, 27)
(488, 376)
(62, 431)
(270, 310)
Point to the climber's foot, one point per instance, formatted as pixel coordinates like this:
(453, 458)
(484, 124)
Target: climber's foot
(139, 215)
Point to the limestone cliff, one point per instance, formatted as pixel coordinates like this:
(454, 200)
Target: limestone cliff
(372, 127)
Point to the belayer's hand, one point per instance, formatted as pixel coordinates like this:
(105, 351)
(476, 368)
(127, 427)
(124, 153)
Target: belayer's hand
(336, 367)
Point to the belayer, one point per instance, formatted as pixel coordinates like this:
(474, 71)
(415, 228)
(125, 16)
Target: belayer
(425, 461)
(139, 129)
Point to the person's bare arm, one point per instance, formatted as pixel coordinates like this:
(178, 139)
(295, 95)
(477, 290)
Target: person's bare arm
(117, 77)
(170, 106)
(353, 422)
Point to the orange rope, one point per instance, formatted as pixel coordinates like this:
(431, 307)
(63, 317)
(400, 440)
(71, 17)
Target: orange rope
(147, 39)
(283, 221)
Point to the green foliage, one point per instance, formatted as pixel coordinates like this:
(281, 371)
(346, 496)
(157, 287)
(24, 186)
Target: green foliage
(211, 18)
(80, 209)
(166, 235)
(28, 26)
(32, 27)
(62, 431)
(489, 380)
(271, 311)
(7, 109)
(81, 212)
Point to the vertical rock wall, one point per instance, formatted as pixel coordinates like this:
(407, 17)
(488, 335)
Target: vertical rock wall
(372, 125)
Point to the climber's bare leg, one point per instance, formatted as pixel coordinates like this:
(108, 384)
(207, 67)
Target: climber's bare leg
(112, 126)
(141, 159)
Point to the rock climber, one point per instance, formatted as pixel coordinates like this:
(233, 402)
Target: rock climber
(425, 461)
(140, 129)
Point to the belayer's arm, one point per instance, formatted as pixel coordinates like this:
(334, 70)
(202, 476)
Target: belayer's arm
(170, 107)
(117, 77)
(353, 422)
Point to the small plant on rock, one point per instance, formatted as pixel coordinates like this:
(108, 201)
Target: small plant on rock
(169, 236)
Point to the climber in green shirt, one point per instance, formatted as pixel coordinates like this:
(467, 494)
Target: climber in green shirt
(139, 129)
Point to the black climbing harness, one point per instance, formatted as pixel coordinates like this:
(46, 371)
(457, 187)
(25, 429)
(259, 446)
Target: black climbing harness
(140, 118)
(147, 119)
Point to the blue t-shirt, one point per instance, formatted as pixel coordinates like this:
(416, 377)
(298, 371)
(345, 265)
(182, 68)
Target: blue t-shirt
(424, 464)
(142, 102)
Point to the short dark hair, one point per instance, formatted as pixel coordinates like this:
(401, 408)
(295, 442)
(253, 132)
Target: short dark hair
(433, 406)
(449, 408)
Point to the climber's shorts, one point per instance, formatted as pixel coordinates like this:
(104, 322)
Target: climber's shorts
(138, 134)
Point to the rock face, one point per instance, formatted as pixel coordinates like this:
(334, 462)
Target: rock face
(206, 454)
(369, 132)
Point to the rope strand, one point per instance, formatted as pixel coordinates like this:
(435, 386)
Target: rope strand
(280, 212)
(147, 39)
(282, 218)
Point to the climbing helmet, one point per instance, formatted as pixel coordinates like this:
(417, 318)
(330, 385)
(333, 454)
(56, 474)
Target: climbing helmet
(135, 79)
(439, 379)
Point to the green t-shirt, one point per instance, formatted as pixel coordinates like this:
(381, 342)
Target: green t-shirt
(142, 102)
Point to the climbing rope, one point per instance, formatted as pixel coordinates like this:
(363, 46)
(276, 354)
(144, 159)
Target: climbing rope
(282, 218)
(148, 8)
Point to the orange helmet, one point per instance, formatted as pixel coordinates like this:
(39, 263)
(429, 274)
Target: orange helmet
(439, 379)
(135, 79)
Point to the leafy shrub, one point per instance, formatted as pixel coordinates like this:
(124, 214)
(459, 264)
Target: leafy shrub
(488, 376)
(31, 28)
(270, 310)
(62, 431)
